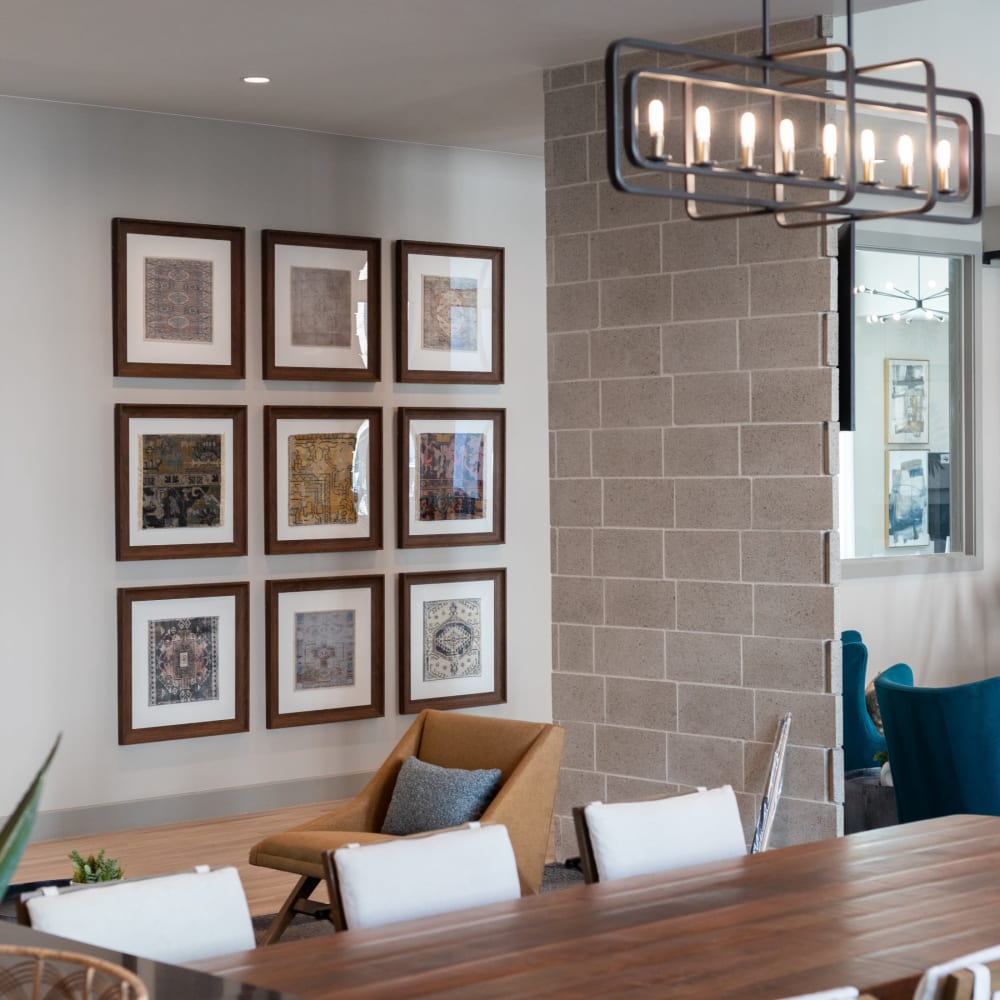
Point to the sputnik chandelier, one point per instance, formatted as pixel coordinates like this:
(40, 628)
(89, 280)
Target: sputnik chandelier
(908, 306)
(819, 170)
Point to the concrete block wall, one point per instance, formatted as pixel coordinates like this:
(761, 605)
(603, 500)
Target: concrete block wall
(692, 409)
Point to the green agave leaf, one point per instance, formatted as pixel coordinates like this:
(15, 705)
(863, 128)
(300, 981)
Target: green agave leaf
(15, 832)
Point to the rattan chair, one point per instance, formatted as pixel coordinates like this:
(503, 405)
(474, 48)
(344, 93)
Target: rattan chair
(30, 973)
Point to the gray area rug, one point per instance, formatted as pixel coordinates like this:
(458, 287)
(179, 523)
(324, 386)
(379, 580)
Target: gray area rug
(556, 876)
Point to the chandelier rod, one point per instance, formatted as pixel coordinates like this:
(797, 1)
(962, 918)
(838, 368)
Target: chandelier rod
(765, 19)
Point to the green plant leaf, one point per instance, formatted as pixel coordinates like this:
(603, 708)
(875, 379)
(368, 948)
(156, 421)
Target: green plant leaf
(17, 829)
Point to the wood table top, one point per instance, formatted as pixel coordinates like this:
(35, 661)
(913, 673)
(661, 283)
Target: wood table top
(872, 910)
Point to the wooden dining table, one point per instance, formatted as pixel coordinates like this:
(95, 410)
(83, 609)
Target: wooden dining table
(872, 910)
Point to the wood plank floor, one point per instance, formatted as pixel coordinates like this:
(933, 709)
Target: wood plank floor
(158, 850)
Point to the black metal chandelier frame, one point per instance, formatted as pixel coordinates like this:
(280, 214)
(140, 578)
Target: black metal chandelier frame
(768, 190)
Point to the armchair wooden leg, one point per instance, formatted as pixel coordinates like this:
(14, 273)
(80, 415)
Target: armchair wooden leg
(296, 903)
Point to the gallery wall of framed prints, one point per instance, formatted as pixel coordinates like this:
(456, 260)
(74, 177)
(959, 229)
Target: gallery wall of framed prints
(189, 474)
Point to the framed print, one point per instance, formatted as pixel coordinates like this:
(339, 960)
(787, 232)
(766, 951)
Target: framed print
(322, 478)
(178, 299)
(452, 639)
(906, 401)
(325, 650)
(180, 481)
(906, 498)
(449, 477)
(449, 313)
(322, 314)
(183, 655)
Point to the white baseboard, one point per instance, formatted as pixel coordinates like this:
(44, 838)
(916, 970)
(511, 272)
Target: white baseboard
(86, 820)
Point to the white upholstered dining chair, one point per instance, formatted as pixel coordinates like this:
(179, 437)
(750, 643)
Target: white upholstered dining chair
(971, 977)
(639, 838)
(170, 918)
(837, 993)
(414, 877)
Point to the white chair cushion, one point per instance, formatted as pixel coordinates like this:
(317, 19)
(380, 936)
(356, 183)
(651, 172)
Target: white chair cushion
(637, 838)
(421, 876)
(172, 918)
(837, 993)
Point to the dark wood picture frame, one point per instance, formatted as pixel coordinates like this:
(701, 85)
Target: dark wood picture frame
(409, 532)
(410, 700)
(371, 370)
(232, 540)
(408, 367)
(187, 363)
(128, 597)
(273, 505)
(375, 707)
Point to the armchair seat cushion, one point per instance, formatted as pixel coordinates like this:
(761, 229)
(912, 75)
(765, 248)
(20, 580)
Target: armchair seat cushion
(427, 797)
(301, 851)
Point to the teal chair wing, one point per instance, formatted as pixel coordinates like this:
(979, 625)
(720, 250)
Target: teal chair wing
(944, 745)
(850, 635)
(861, 739)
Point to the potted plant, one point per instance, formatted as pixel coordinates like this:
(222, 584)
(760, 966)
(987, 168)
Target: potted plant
(91, 869)
(15, 832)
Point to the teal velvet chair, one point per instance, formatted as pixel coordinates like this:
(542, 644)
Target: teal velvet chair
(944, 745)
(861, 739)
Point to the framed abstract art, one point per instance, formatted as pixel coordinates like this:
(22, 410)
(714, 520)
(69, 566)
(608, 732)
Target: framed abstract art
(449, 477)
(183, 654)
(452, 639)
(325, 650)
(178, 297)
(180, 481)
(907, 384)
(449, 313)
(322, 478)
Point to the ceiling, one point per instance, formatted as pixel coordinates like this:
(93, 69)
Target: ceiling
(449, 72)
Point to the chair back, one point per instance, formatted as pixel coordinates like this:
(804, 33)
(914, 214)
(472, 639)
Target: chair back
(416, 877)
(170, 918)
(944, 745)
(971, 977)
(32, 973)
(861, 739)
(837, 993)
(476, 742)
(620, 839)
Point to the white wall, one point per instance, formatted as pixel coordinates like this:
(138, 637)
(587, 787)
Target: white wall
(958, 36)
(945, 625)
(66, 171)
(922, 339)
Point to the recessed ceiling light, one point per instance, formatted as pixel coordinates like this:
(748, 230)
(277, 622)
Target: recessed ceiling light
(256, 79)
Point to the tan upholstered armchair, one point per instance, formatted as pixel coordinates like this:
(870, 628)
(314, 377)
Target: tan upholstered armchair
(527, 753)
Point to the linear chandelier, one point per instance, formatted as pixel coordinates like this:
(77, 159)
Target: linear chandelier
(818, 166)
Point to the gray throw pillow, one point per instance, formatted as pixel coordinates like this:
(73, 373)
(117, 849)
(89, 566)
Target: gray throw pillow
(428, 797)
